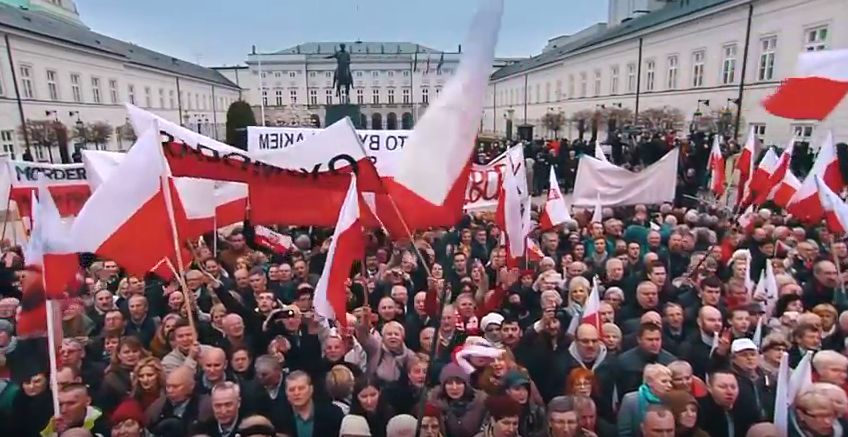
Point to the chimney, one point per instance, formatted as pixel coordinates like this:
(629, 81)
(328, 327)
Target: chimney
(460, 49)
(253, 49)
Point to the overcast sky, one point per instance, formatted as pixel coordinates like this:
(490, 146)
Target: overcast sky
(219, 32)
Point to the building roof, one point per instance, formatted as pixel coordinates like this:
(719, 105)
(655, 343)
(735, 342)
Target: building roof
(45, 25)
(672, 11)
(363, 47)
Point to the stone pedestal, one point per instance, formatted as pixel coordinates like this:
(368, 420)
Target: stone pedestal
(335, 113)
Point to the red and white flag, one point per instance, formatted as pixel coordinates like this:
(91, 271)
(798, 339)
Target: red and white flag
(49, 247)
(820, 82)
(132, 219)
(835, 210)
(805, 204)
(513, 211)
(555, 211)
(230, 203)
(67, 184)
(346, 246)
(591, 311)
(717, 168)
(787, 188)
(272, 240)
(745, 164)
(783, 166)
(759, 186)
(534, 252)
(433, 172)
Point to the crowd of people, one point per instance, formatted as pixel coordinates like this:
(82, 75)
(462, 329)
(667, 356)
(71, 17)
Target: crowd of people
(445, 338)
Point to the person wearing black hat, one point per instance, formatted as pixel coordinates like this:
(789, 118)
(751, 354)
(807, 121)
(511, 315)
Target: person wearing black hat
(33, 406)
(503, 420)
(532, 417)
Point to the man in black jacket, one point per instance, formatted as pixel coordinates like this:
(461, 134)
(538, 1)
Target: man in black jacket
(697, 349)
(305, 417)
(226, 403)
(718, 415)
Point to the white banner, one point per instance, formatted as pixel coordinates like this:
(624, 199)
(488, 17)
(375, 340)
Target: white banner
(484, 181)
(618, 187)
(382, 146)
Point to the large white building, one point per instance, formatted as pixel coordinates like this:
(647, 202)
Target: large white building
(53, 67)
(393, 81)
(675, 54)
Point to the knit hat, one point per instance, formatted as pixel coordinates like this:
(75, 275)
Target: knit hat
(453, 371)
(678, 400)
(514, 378)
(401, 426)
(502, 406)
(129, 409)
(353, 425)
(491, 319)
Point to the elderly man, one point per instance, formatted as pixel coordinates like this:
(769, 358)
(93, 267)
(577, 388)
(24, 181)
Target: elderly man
(226, 403)
(180, 402)
(831, 367)
(822, 287)
(755, 396)
(305, 416)
(562, 417)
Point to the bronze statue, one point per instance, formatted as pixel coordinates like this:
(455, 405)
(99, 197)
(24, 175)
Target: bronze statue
(343, 77)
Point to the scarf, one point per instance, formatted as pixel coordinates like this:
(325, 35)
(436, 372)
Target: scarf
(646, 397)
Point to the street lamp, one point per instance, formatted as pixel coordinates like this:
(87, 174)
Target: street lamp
(49, 145)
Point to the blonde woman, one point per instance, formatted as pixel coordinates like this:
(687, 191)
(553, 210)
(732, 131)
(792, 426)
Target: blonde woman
(656, 383)
(148, 381)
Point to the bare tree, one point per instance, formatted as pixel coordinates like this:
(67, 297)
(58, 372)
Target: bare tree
(661, 119)
(720, 120)
(47, 133)
(100, 132)
(554, 121)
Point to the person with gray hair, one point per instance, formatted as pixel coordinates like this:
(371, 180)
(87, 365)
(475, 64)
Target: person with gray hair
(831, 367)
(562, 417)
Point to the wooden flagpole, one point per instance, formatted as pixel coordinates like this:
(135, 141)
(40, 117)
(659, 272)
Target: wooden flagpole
(6, 217)
(184, 288)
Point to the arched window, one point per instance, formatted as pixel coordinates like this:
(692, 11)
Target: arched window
(363, 121)
(406, 121)
(376, 121)
(391, 121)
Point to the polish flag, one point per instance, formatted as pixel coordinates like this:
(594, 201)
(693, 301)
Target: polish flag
(591, 312)
(513, 211)
(347, 245)
(534, 252)
(556, 211)
(745, 164)
(835, 210)
(781, 397)
(820, 82)
(716, 167)
(272, 240)
(50, 249)
(432, 176)
(598, 213)
(230, 203)
(783, 165)
(805, 204)
(759, 186)
(787, 188)
(132, 219)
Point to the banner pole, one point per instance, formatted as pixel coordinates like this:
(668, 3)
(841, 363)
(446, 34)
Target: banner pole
(184, 288)
(51, 351)
(6, 217)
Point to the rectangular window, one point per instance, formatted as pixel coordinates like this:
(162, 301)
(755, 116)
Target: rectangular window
(728, 65)
(375, 74)
(802, 133)
(277, 74)
(162, 98)
(671, 80)
(614, 79)
(328, 94)
(147, 98)
(292, 74)
(278, 97)
(113, 91)
(360, 96)
(312, 74)
(597, 83)
(698, 59)
(375, 97)
(26, 82)
(438, 91)
(7, 139)
(425, 96)
(293, 97)
(264, 98)
(547, 92)
(52, 86)
(406, 95)
(313, 97)
(95, 90)
(76, 91)
(631, 78)
(391, 95)
(391, 73)
(197, 101)
(583, 85)
(171, 99)
(759, 130)
(358, 74)
(815, 39)
(538, 93)
(767, 47)
(649, 75)
(405, 73)
(131, 94)
(570, 86)
(558, 90)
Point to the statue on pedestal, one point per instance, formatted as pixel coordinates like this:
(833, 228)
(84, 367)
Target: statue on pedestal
(343, 77)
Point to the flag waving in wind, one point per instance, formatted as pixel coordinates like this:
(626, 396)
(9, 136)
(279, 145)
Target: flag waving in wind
(717, 178)
(346, 246)
(820, 82)
(745, 164)
(556, 211)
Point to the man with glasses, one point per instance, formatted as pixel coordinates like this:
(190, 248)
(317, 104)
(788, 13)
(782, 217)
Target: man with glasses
(586, 351)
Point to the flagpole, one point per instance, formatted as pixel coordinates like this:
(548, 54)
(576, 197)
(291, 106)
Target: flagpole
(184, 288)
(261, 89)
(6, 217)
(51, 350)
(215, 235)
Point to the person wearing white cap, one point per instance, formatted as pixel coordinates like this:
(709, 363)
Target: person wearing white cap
(401, 426)
(754, 397)
(491, 327)
(354, 426)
